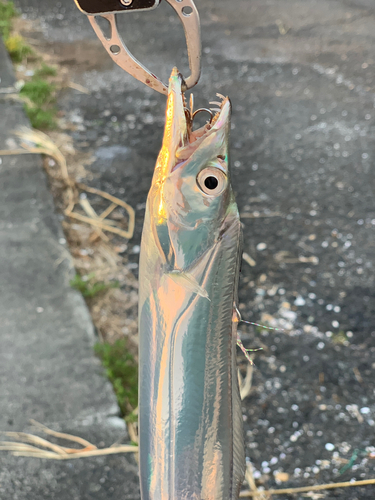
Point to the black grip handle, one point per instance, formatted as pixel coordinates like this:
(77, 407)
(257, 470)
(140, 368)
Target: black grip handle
(93, 7)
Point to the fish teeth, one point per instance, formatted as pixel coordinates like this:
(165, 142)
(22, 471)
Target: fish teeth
(191, 103)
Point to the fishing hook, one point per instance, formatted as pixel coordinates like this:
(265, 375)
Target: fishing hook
(190, 115)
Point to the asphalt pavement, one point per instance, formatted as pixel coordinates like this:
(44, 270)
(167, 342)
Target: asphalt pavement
(301, 79)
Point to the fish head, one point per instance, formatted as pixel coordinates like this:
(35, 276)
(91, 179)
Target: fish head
(191, 199)
(191, 184)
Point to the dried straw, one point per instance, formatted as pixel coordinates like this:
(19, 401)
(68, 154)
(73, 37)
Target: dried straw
(305, 489)
(245, 382)
(44, 145)
(29, 445)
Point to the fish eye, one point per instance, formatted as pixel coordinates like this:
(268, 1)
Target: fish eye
(212, 181)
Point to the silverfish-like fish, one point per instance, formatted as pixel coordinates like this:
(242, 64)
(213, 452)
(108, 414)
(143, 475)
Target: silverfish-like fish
(190, 421)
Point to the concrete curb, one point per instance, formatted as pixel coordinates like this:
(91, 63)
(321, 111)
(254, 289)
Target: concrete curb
(48, 370)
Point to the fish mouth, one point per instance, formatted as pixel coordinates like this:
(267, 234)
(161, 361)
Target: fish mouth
(187, 140)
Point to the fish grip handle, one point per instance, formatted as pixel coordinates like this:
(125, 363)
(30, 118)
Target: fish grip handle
(116, 48)
(99, 7)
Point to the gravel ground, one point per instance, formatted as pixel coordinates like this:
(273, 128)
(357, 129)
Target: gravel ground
(301, 79)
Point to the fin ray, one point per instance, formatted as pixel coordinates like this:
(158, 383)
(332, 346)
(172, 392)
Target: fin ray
(189, 282)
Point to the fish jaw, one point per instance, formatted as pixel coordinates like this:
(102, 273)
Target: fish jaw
(185, 150)
(178, 207)
(175, 131)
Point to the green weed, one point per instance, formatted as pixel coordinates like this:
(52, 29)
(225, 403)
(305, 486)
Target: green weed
(88, 289)
(122, 371)
(132, 417)
(7, 13)
(44, 71)
(15, 44)
(17, 48)
(41, 119)
(41, 113)
(40, 92)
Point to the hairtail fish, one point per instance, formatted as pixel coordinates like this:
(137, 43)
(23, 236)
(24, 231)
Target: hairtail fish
(191, 441)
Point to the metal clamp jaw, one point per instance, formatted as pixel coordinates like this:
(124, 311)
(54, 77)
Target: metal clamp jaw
(116, 48)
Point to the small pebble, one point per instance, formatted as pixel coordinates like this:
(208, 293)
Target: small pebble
(365, 410)
(300, 301)
(261, 246)
(329, 446)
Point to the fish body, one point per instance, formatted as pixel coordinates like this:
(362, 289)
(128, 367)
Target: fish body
(190, 420)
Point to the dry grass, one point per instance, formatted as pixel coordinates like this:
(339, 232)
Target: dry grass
(23, 444)
(34, 141)
(267, 494)
(245, 381)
